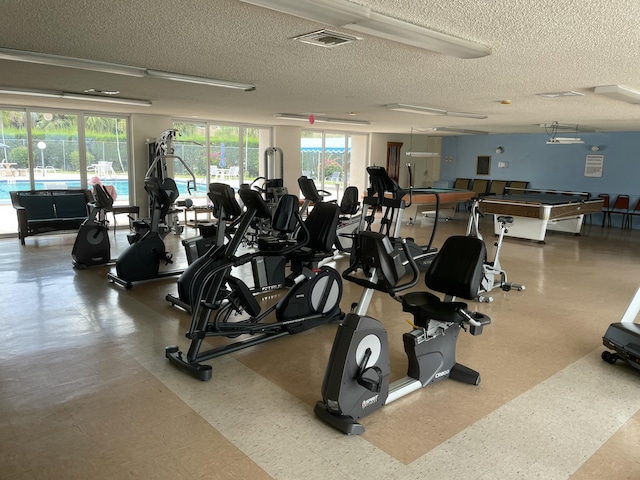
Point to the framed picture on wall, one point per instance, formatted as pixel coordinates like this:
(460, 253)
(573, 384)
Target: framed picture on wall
(484, 165)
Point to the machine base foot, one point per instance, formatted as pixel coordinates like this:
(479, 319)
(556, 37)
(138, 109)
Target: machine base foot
(340, 422)
(197, 370)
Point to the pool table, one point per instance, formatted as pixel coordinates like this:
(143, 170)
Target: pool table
(425, 199)
(536, 213)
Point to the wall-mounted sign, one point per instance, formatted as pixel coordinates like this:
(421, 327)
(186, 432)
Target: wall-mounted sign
(593, 166)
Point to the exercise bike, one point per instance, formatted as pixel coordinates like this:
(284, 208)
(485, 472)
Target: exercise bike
(226, 306)
(92, 246)
(356, 382)
(623, 337)
(494, 276)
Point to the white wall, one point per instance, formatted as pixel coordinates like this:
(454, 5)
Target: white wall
(288, 140)
(143, 127)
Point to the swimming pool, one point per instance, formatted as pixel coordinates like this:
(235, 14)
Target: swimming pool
(121, 185)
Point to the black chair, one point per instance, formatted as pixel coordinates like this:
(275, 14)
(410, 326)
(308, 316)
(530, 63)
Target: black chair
(497, 187)
(516, 187)
(462, 183)
(480, 186)
(632, 213)
(620, 207)
(606, 207)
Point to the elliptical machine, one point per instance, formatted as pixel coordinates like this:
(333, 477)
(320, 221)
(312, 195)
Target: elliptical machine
(92, 246)
(494, 276)
(226, 306)
(268, 271)
(385, 194)
(356, 382)
(349, 208)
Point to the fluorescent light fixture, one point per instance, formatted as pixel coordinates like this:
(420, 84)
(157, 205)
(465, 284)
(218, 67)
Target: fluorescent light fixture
(422, 154)
(342, 13)
(70, 62)
(30, 93)
(568, 93)
(462, 131)
(467, 115)
(179, 77)
(94, 66)
(305, 118)
(563, 141)
(619, 92)
(331, 12)
(410, 34)
(565, 126)
(413, 153)
(97, 98)
(403, 107)
(74, 96)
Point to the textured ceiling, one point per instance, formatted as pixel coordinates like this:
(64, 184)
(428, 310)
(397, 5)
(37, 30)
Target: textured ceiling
(537, 46)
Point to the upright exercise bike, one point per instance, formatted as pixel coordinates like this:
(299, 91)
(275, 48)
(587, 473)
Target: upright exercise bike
(92, 246)
(356, 382)
(494, 276)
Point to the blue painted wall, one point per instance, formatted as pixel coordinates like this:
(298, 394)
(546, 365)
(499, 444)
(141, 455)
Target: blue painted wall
(557, 167)
(552, 167)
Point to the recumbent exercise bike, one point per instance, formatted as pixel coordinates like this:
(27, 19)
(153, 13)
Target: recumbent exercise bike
(356, 382)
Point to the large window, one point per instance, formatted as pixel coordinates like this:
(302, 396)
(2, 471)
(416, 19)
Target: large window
(334, 160)
(42, 149)
(228, 154)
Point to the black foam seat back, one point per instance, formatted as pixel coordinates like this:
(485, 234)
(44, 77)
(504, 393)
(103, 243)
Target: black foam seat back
(157, 194)
(223, 197)
(253, 201)
(322, 223)
(350, 203)
(171, 190)
(457, 268)
(102, 197)
(309, 189)
(374, 250)
(380, 182)
(284, 220)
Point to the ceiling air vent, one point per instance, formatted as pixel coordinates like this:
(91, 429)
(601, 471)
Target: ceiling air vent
(326, 38)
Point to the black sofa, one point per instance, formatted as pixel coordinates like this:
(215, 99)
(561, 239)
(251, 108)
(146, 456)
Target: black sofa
(43, 211)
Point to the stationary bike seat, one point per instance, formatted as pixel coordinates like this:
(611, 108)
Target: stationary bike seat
(425, 306)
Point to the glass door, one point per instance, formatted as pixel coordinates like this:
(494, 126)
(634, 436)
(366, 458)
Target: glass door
(191, 146)
(107, 155)
(55, 151)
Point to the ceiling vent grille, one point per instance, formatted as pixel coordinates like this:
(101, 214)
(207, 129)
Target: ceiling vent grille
(326, 38)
